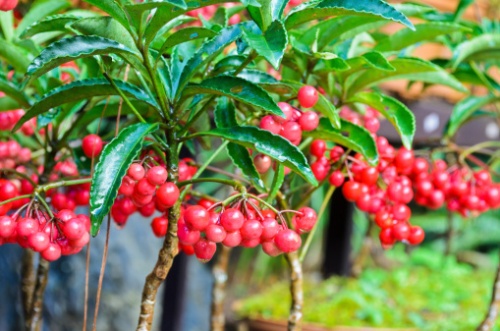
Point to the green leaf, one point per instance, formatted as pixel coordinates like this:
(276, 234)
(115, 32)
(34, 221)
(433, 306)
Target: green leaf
(115, 159)
(80, 90)
(256, 76)
(114, 9)
(461, 7)
(40, 10)
(271, 45)
(7, 24)
(225, 117)
(406, 68)
(14, 55)
(238, 89)
(327, 8)
(167, 11)
(69, 49)
(7, 103)
(49, 24)
(11, 90)
(465, 109)
(106, 27)
(475, 48)
(186, 34)
(290, 90)
(279, 178)
(393, 110)
(207, 52)
(350, 135)
(270, 144)
(378, 61)
(425, 31)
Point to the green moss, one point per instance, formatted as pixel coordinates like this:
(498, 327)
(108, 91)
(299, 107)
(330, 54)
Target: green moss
(428, 292)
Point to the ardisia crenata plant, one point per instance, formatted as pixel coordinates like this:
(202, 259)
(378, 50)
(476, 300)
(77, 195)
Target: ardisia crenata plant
(98, 106)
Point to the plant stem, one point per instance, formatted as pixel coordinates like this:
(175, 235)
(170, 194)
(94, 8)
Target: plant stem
(169, 249)
(101, 275)
(296, 282)
(61, 183)
(16, 198)
(219, 272)
(37, 302)
(491, 317)
(321, 211)
(27, 280)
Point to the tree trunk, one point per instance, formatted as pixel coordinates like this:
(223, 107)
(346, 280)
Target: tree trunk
(296, 280)
(219, 290)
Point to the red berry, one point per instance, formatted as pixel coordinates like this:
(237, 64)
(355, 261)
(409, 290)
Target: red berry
(291, 131)
(318, 148)
(383, 219)
(386, 238)
(401, 231)
(168, 194)
(196, 218)
(269, 124)
(404, 159)
(136, 171)
(7, 226)
(287, 110)
(351, 190)
(92, 145)
(369, 176)
(205, 250)
(232, 239)
(336, 178)
(187, 236)
(215, 233)
(157, 175)
(8, 5)
(251, 229)
(306, 220)
(319, 170)
(270, 228)
(288, 240)
(270, 248)
(232, 219)
(262, 163)
(416, 236)
(144, 187)
(52, 252)
(307, 96)
(74, 229)
(159, 225)
(309, 121)
(26, 227)
(39, 241)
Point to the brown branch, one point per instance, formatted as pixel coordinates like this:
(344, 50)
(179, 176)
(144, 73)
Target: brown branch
(489, 321)
(101, 275)
(219, 272)
(27, 281)
(35, 318)
(296, 280)
(86, 289)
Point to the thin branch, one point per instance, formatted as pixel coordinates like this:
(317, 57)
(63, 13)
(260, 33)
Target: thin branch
(492, 314)
(35, 319)
(27, 280)
(219, 272)
(101, 275)
(296, 289)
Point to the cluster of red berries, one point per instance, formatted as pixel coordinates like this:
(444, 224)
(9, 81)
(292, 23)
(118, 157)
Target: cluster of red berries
(383, 191)
(292, 126)
(64, 234)
(8, 120)
(147, 191)
(12, 154)
(201, 228)
(459, 188)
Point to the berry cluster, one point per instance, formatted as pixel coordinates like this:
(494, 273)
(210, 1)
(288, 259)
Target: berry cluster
(459, 188)
(8, 120)
(383, 191)
(147, 190)
(201, 228)
(12, 154)
(63, 234)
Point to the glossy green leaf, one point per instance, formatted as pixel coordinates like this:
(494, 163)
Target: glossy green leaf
(467, 75)
(167, 11)
(350, 135)
(378, 61)
(256, 76)
(423, 32)
(237, 89)
(7, 103)
(186, 34)
(14, 55)
(11, 90)
(406, 68)
(225, 117)
(290, 90)
(464, 110)
(477, 47)
(270, 144)
(69, 49)
(393, 110)
(80, 90)
(115, 159)
(327, 8)
(49, 24)
(7, 24)
(39, 11)
(106, 27)
(208, 51)
(271, 45)
(114, 9)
